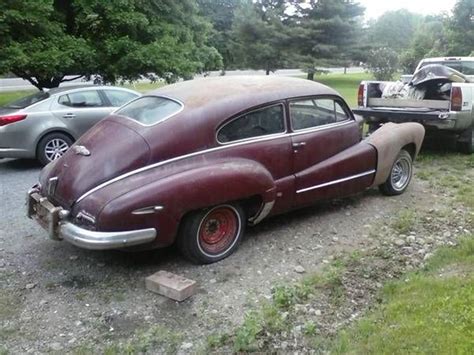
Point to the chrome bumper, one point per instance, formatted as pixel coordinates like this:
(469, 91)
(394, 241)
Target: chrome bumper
(53, 220)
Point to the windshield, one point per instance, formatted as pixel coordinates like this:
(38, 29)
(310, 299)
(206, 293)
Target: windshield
(150, 110)
(465, 67)
(28, 100)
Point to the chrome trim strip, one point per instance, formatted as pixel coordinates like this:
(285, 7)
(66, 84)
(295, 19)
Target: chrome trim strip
(321, 128)
(148, 210)
(104, 240)
(172, 160)
(264, 212)
(334, 182)
(221, 147)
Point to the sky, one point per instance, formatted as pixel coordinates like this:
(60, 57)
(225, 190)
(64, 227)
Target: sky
(375, 8)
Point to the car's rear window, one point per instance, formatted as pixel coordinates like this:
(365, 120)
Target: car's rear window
(28, 100)
(149, 110)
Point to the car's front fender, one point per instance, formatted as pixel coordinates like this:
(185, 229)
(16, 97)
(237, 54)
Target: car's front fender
(389, 140)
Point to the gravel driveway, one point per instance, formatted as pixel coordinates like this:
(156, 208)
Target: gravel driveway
(56, 297)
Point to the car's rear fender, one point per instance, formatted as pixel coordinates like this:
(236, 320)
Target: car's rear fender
(166, 200)
(389, 140)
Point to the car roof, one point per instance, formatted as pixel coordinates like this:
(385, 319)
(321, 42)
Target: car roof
(237, 93)
(448, 59)
(63, 89)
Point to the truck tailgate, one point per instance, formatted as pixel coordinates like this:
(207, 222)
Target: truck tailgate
(408, 103)
(394, 115)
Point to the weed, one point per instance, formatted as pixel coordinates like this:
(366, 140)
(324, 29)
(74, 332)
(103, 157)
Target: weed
(309, 328)
(404, 221)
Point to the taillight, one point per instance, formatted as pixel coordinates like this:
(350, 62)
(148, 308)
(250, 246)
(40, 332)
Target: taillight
(360, 95)
(4, 120)
(456, 99)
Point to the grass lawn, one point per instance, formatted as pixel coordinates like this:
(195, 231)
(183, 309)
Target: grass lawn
(427, 312)
(345, 84)
(6, 97)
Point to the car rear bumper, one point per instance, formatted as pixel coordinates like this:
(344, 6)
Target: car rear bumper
(53, 219)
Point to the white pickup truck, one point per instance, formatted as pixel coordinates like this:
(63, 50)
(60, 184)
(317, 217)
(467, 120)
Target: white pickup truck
(440, 95)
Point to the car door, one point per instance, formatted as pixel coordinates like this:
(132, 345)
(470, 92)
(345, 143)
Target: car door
(329, 159)
(80, 110)
(261, 135)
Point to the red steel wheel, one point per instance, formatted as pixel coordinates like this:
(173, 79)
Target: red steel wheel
(209, 235)
(218, 230)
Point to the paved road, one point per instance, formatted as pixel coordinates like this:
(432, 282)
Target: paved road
(13, 84)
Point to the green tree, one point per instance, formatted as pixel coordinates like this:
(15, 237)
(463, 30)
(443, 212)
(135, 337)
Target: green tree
(394, 29)
(43, 41)
(383, 63)
(328, 32)
(261, 36)
(221, 14)
(429, 40)
(461, 29)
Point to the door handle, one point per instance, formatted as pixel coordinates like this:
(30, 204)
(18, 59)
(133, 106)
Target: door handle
(299, 144)
(69, 115)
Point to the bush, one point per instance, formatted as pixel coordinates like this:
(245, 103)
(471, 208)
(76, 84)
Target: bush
(383, 63)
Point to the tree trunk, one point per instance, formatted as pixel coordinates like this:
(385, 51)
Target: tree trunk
(345, 70)
(267, 71)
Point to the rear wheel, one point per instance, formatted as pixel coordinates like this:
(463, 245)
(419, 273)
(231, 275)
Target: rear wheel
(400, 175)
(465, 143)
(52, 146)
(210, 235)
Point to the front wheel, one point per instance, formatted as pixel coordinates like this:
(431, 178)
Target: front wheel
(212, 234)
(400, 175)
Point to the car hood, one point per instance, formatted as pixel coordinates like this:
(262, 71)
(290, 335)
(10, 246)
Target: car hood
(437, 72)
(107, 150)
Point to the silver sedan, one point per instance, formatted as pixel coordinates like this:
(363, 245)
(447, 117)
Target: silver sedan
(44, 125)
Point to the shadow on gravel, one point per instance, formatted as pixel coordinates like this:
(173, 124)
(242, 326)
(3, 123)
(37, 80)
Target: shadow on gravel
(19, 164)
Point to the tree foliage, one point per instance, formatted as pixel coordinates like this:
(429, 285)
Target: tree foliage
(44, 40)
(394, 29)
(261, 36)
(383, 63)
(460, 28)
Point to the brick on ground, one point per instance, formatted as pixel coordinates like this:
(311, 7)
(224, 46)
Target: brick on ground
(171, 285)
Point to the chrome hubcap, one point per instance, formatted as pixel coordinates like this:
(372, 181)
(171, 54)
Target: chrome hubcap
(55, 148)
(401, 173)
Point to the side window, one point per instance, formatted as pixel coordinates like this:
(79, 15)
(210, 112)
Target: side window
(263, 122)
(311, 113)
(119, 98)
(81, 99)
(341, 114)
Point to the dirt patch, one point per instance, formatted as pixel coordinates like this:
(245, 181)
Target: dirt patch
(96, 300)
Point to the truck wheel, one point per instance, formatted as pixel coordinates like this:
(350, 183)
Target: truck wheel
(466, 142)
(52, 146)
(212, 234)
(400, 175)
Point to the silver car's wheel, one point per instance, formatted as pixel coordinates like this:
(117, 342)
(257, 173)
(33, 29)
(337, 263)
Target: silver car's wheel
(55, 149)
(52, 147)
(400, 175)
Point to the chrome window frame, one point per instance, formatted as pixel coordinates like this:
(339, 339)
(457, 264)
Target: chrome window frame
(256, 138)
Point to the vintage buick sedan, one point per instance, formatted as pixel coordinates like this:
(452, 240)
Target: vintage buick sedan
(194, 163)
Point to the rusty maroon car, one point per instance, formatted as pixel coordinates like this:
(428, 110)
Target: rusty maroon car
(196, 162)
